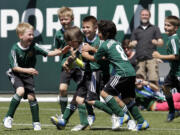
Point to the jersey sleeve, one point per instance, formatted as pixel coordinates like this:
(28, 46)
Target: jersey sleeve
(40, 50)
(13, 59)
(100, 52)
(175, 46)
(58, 41)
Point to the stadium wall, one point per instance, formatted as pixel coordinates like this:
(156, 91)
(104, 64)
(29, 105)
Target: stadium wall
(42, 14)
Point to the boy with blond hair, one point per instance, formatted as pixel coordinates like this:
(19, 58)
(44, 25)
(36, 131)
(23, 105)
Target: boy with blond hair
(22, 71)
(172, 80)
(66, 18)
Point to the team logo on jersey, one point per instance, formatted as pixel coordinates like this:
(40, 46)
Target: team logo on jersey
(30, 54)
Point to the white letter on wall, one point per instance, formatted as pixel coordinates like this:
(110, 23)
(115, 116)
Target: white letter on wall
(5, 26)
(39, 19)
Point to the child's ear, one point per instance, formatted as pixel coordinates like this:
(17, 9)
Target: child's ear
(20, 35)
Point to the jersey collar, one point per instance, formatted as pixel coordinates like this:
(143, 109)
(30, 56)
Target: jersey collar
(21, 47)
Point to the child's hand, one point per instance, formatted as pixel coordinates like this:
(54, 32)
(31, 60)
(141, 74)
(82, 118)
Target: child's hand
(156, 54)
(66, 66)
(32, 71)
(65, 49)
(155, 42)
(86, 48)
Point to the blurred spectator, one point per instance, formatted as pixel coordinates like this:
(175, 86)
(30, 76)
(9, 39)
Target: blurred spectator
(147, 97)
(146, 38)
(130, 52)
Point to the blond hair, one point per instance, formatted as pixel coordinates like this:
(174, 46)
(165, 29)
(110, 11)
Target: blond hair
(65, 11)
(22, 27)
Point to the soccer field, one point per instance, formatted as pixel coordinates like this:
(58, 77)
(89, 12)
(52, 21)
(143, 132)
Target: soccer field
(102, 126)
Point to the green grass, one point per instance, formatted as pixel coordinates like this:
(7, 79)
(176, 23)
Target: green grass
(102, 126)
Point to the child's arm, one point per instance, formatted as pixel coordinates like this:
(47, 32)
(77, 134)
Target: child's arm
(158, 42)
(31, 71)
(59, 51)
(165, 57)
(87, 48)
(87, 56)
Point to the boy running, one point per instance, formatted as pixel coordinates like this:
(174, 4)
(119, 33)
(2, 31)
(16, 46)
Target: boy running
(172, 80)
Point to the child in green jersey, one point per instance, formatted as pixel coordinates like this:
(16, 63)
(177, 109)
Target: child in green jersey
(123, 80)
(172, 80)
(66, 18)
(22, 69)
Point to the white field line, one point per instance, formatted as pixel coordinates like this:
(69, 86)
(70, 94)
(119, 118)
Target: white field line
(53, 109)
(50, 125)
(39, 99)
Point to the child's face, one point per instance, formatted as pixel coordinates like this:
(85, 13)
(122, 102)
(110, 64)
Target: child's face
(138, 83)
(169, 28)
(89, 30)
(27, 37)
(73, 44)
(65, 21)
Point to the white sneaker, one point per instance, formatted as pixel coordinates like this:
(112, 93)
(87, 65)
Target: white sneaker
(91, 119)
(8, 122)
(37, 126)
(115, 122)
(131, 125)
(79, 127)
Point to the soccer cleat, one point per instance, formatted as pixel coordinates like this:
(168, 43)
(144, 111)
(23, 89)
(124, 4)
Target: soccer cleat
(124, 119)
(141, 126)
(37, 126)
(8, 122)
(91, 119)
(115, 122)
(131, 125)
(60, 123)
(79, 127)
(170, 117)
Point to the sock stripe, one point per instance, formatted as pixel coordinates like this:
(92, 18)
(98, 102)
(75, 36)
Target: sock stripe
(63, 99)
(108, 98)
(16, 97)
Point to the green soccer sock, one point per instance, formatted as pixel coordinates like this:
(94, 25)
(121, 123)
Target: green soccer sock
(111, 102)
(135, 112)
(125, 110)
(90, 109)
(83, 114)
(34, 110)
(13, 105)
(70, 109)
(63, 100)
(103, 107)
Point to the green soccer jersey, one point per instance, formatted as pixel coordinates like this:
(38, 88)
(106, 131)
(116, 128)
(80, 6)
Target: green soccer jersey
(25, 57)
(173, 47)
(94, 43)
(59, 42)
(114, 53)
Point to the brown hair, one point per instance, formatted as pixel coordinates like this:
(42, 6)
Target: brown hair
(73, 34)
(174, 20)
(90, 19)
(65, 11)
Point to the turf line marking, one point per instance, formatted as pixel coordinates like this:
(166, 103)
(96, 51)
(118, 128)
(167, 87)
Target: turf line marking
(50, 125)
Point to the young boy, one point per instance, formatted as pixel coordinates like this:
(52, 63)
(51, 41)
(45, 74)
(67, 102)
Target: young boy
(172, 80)
(66, 18)
(74, 37)
(124, 74)
(22, 69)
